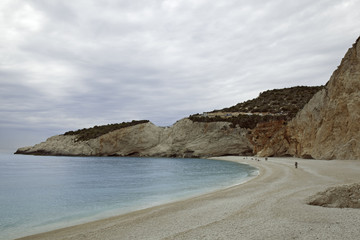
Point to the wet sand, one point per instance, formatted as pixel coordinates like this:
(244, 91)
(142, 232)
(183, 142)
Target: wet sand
(270, 206)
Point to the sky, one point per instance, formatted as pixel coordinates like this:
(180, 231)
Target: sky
(66, 65)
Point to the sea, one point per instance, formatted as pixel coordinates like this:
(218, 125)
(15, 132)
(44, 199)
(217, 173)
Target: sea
(43, 193)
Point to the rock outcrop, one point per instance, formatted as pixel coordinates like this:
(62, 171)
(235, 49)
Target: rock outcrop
(328, 127)
(184, 139)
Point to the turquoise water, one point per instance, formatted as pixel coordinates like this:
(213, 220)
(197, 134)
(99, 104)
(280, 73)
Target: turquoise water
(41, 193)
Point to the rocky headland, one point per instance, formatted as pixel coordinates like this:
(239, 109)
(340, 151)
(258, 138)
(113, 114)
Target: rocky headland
(184, 139)
(308, 122)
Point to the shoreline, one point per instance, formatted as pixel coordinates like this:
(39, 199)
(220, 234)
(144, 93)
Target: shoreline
(271, 205)
(43, 224)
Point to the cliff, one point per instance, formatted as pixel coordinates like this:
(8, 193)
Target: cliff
(184, 139)
(307, 122)
(328, 127)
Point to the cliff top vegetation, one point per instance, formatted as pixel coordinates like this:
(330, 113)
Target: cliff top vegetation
(97, 131)
(281, 101)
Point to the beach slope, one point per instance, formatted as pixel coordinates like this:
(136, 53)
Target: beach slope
(271, 206)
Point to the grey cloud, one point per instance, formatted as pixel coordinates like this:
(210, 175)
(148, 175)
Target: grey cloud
(68, 65)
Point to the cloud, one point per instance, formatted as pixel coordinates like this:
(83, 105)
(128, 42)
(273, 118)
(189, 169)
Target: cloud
(68, 65)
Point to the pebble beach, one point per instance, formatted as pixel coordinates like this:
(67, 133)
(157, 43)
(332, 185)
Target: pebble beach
(272, 205)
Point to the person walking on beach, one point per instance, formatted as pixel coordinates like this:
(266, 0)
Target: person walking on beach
(296, 164)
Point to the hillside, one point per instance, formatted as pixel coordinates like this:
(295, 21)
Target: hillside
(278, 104)
(286, 101)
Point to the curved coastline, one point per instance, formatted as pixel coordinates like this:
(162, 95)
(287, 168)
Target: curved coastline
(217, 185)
(269, 206)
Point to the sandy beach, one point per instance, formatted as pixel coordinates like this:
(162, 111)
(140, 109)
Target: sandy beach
(270, 206)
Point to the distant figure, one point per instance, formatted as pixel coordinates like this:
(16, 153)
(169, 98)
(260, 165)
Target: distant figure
(266, 159)
(296, 164)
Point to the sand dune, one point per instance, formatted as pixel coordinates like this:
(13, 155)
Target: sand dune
(270, 206)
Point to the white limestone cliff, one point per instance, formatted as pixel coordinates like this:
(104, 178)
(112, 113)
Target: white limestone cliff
(184, 139)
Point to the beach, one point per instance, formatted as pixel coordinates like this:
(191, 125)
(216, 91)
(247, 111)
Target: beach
(269, 206)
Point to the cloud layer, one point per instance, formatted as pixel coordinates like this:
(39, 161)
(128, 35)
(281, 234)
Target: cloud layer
(73, 64)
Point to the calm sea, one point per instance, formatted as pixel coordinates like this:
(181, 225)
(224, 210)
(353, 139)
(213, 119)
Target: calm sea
(41, 193)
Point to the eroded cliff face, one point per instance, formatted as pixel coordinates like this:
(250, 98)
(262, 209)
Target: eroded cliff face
(194, 139)
(328, 127)
(184, 139)
(265, 134)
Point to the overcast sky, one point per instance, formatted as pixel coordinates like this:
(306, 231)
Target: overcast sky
(66, 65)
